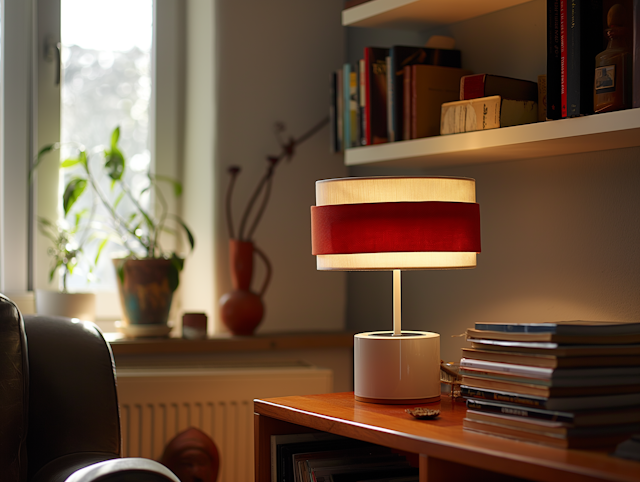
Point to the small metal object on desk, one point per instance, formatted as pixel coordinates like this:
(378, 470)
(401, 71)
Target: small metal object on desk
(422, 413)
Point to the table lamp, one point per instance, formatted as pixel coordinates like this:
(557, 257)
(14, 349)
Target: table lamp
(395, 224)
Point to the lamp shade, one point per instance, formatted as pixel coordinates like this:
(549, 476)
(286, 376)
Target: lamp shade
(387, 223)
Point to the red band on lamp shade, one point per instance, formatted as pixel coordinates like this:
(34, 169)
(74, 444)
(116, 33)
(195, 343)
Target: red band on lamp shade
(395, 227)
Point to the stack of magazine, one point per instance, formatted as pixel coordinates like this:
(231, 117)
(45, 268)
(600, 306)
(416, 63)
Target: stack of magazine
(566, 384)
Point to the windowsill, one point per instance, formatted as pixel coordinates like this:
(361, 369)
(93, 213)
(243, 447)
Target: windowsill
(228, 343)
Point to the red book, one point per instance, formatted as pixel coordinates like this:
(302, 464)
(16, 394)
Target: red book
(487, 85)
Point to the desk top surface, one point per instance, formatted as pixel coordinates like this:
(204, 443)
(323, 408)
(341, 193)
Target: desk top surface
(444, 437)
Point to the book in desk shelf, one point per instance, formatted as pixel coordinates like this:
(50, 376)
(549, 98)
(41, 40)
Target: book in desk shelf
(376, 95)
(401, 56)
(557, 429)
(356, 471)
(551, 373)
(592, 402)
(577, 418)
(523, 388)
(599, 339)
(550, 381)
(550, 360)
(557, 349)
(569, 327)
(486, 113)
(636, 54)
(303, 462)
(605, 440)
(475, 86)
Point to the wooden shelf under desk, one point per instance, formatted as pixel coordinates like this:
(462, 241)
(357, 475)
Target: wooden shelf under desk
(447, 452)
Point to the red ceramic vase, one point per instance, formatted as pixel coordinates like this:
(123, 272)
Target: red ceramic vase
(242, 309)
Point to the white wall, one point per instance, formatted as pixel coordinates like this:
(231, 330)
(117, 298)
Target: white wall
(272, 62)
(560, 239)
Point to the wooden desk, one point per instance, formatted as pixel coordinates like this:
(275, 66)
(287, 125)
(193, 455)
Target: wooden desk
(446, 451)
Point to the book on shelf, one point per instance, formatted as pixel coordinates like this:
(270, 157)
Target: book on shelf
(543, 373)
(542, 98)
(550, 348)
(550, 360)
(401, 56)
(475, 86)
(305, 463)
(563, 58)
(553, 337)
(334, 146)
(569, 327)
(636, 54)
(576, 418)
(486, 113)
(584, 42)
(553, 110)
(429, 87)
(375, 95)
(361, 102)
(340, 109)
(529, 388)
(591, 402)
(581, 439)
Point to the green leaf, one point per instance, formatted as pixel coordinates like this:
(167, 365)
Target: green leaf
(174, 271)
(72, 192)
(82, 158)
(118, 199)
(100, 248)
(115, 135)
(114, 163)
(192, 241)
(70, 162)
(46, 149)
(120, 270)
(177, 187)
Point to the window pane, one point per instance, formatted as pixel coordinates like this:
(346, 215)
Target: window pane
(106, 82)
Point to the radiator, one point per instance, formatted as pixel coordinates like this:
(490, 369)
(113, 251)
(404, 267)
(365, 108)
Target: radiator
(156, 404)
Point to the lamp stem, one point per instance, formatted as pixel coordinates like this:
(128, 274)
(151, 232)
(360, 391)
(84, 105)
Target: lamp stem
(397, 304)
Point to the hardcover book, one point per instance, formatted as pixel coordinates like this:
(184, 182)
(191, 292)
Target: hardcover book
(486, 85)
(376, 94)
(623, 339)
(401, 56)
(577, 418)
(553, 110)
(486, 113)
(549, 360)
(584, 42)
(430, 87)
(543, 348)
(593, 402)
(568, 327)
(579, 440)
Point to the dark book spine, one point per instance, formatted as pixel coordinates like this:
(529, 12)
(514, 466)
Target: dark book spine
(563, 58)
(636, 54)
(377, 95)
(584, 18)
(472, 86)
(524, 412)
(368, 58)
(553, 60)
(333, 107)
(534, 402)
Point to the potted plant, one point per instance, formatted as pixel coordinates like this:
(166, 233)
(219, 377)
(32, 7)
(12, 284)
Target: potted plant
(147, 275)
(67, 253)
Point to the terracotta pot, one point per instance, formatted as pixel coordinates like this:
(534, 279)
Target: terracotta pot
(146, 289)
(242, 309)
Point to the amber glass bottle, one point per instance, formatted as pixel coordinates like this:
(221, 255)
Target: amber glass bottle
(612, 87)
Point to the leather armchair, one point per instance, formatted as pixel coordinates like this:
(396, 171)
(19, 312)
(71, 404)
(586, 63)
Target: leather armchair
(59, 417)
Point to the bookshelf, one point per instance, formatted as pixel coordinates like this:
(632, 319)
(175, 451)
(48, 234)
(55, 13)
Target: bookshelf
(468, 21)
(446, 452)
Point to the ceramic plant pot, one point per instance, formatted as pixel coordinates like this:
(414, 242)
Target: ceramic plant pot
(146, 289)
(241, 309)
(70, 305)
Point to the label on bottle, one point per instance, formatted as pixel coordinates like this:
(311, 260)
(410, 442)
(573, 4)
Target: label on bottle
(605, 79)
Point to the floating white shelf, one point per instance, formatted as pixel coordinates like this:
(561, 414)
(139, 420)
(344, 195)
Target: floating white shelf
(598, 132)
(420, 14)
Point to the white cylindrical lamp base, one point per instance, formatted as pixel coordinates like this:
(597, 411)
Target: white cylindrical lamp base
(397, 369)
